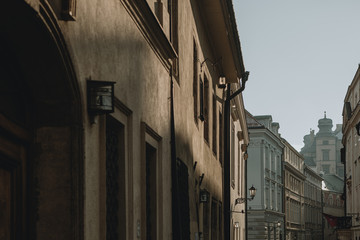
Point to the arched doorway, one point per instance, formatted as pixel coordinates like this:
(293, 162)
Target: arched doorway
(41, 161)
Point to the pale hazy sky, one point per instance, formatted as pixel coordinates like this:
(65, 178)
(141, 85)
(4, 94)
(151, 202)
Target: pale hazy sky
(302, 55)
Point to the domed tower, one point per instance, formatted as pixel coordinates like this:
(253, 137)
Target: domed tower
(327, 148)
(325, 126)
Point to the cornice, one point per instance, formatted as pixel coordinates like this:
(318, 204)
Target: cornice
(294, 170)
(352, 121)
(265, 133)
(151, 29)
(352, 84)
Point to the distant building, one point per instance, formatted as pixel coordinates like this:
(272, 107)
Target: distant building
(333, 204)
(312, 204)
(294, 193)
(322, 154)
(265, 213)
(322, 150)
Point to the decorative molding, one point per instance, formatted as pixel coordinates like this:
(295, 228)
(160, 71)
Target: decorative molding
(49, 19)
(255, 143)
(147, 129)
(122, 107)
(151, 29)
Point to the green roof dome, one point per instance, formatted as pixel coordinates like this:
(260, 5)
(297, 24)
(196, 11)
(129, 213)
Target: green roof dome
(325, 125)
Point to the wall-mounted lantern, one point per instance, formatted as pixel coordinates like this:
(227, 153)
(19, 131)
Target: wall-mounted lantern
(100, 97)
(252, 195)
(252, 192)
(204, 196)
(222, 82)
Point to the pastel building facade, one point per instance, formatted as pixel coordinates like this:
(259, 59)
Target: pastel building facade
(294, 179)
(265, 214)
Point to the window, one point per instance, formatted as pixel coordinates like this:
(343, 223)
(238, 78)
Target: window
(267, 163)
(325, 153)
(115, 179)
(267, 194)
(325, 142)
(214, 121)
(151, 183)
(174, 38)
(206, 221)
(206, 109)
(151, 193)
(173, 12)
(331, 200)
(159, 12)
(279, 200)
(214, 220)
(273, 197)
(195, 82)
(326, 168)
(201, 115)
(183, 203)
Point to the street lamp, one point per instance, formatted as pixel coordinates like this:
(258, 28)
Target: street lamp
(252, 191)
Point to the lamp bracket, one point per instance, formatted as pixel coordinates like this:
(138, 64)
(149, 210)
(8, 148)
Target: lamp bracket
(242, 200)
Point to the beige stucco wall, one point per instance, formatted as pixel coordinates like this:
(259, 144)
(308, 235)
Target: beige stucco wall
(105, 44)
(239, 189)
(191, 145)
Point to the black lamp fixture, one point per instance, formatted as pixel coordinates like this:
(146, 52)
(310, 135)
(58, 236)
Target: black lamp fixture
(252, 195)
(100, 97)
(204, 196)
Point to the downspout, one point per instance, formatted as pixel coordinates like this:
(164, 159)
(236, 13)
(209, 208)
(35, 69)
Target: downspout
(284, 196)
(176, 211)
(246, 203)
(322, 214)
(343, 156)
(226, 178)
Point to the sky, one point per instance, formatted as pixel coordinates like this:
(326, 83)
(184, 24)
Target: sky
(302, 55)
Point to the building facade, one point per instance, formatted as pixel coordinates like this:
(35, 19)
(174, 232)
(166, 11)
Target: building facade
(313, 205)
(351, 153)
(79, 160)
(265, 213)
(321, 151)
(294, 192)
(333, 208)
(239, 140)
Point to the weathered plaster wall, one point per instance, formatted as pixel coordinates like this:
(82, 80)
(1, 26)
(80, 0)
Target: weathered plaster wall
(106, 44)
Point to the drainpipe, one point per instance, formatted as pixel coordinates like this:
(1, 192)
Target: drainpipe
(176, 211)
(246, 203)
(322, 215)
(226, 179)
